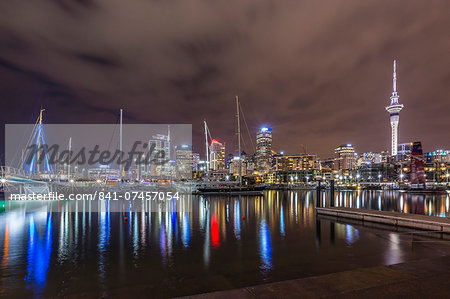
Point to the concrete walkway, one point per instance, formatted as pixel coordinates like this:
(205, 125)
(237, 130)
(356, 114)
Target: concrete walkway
(391, 218)
(429, 278)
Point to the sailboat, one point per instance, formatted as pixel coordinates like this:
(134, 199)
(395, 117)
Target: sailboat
(233, 187)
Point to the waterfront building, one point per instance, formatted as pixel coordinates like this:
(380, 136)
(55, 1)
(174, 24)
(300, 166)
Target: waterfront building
(377, 172)
(440, 156)
(103, 172)
(264, 150)
(195, 161)
(298, 162)
(217, 155)
(394, 113)
(368, 158)
(345, 157)
(183, 164)
(327, 164)
(247, 161)
(234, 166)
(437, 166)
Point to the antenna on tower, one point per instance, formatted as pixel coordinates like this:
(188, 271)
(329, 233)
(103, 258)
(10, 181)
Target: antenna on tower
(394, 83)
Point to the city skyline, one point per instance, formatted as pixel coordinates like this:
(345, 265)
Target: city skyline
(325, 86)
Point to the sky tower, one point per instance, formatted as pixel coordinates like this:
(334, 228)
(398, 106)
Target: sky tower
(394, 111)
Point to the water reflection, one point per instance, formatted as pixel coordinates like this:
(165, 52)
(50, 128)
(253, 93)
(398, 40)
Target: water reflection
(265, 247)
(41, 250)
(38, 253)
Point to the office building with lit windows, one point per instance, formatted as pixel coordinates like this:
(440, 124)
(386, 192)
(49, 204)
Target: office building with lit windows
(345, 157)
(264, 150)
(217, 155)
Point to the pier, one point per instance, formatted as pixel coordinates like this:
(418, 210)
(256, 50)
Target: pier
(396, 219)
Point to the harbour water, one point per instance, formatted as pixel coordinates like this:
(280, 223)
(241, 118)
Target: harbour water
(221, 243)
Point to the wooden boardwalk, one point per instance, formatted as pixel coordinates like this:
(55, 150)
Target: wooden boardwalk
(390, 218)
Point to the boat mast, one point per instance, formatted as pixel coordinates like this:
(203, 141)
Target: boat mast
(239, 140)
(120, 145)
(206, 146)
(39, 128)
(70, 152)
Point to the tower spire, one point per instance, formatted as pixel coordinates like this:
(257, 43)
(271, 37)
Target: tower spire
(394, 96)
(395, 78)
(394, 112)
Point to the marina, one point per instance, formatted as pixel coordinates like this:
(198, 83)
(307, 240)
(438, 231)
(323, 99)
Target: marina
(218, 243)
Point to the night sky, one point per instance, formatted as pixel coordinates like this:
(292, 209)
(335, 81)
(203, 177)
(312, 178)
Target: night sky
(318, 72)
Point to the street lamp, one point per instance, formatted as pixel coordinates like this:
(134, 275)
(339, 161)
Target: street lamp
(379, 178)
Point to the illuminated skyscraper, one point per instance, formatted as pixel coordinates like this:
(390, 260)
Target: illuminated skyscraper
(394, 111)
(161, 147)
(345, 157)
(217, 155)
(184, 162)
(264, 150)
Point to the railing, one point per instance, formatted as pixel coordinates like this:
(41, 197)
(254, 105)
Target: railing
(8, 170)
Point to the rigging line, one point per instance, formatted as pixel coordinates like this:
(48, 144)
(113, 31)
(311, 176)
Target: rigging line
(245, 146)
(33, 133)
(111, 139)
(232, 141)
(245, 122)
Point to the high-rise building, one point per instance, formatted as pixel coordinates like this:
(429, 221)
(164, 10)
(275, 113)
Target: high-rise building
(217, 155)
(394, 111)
(183, 164)
(264, 150)
(160, 144)
(345, 157)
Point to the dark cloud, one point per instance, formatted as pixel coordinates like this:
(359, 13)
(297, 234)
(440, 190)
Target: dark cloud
(318, 73)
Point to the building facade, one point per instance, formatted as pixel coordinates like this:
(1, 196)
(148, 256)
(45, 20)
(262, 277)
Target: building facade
(264, 150)
(345, 157)
(217, 155)
(183, 161)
